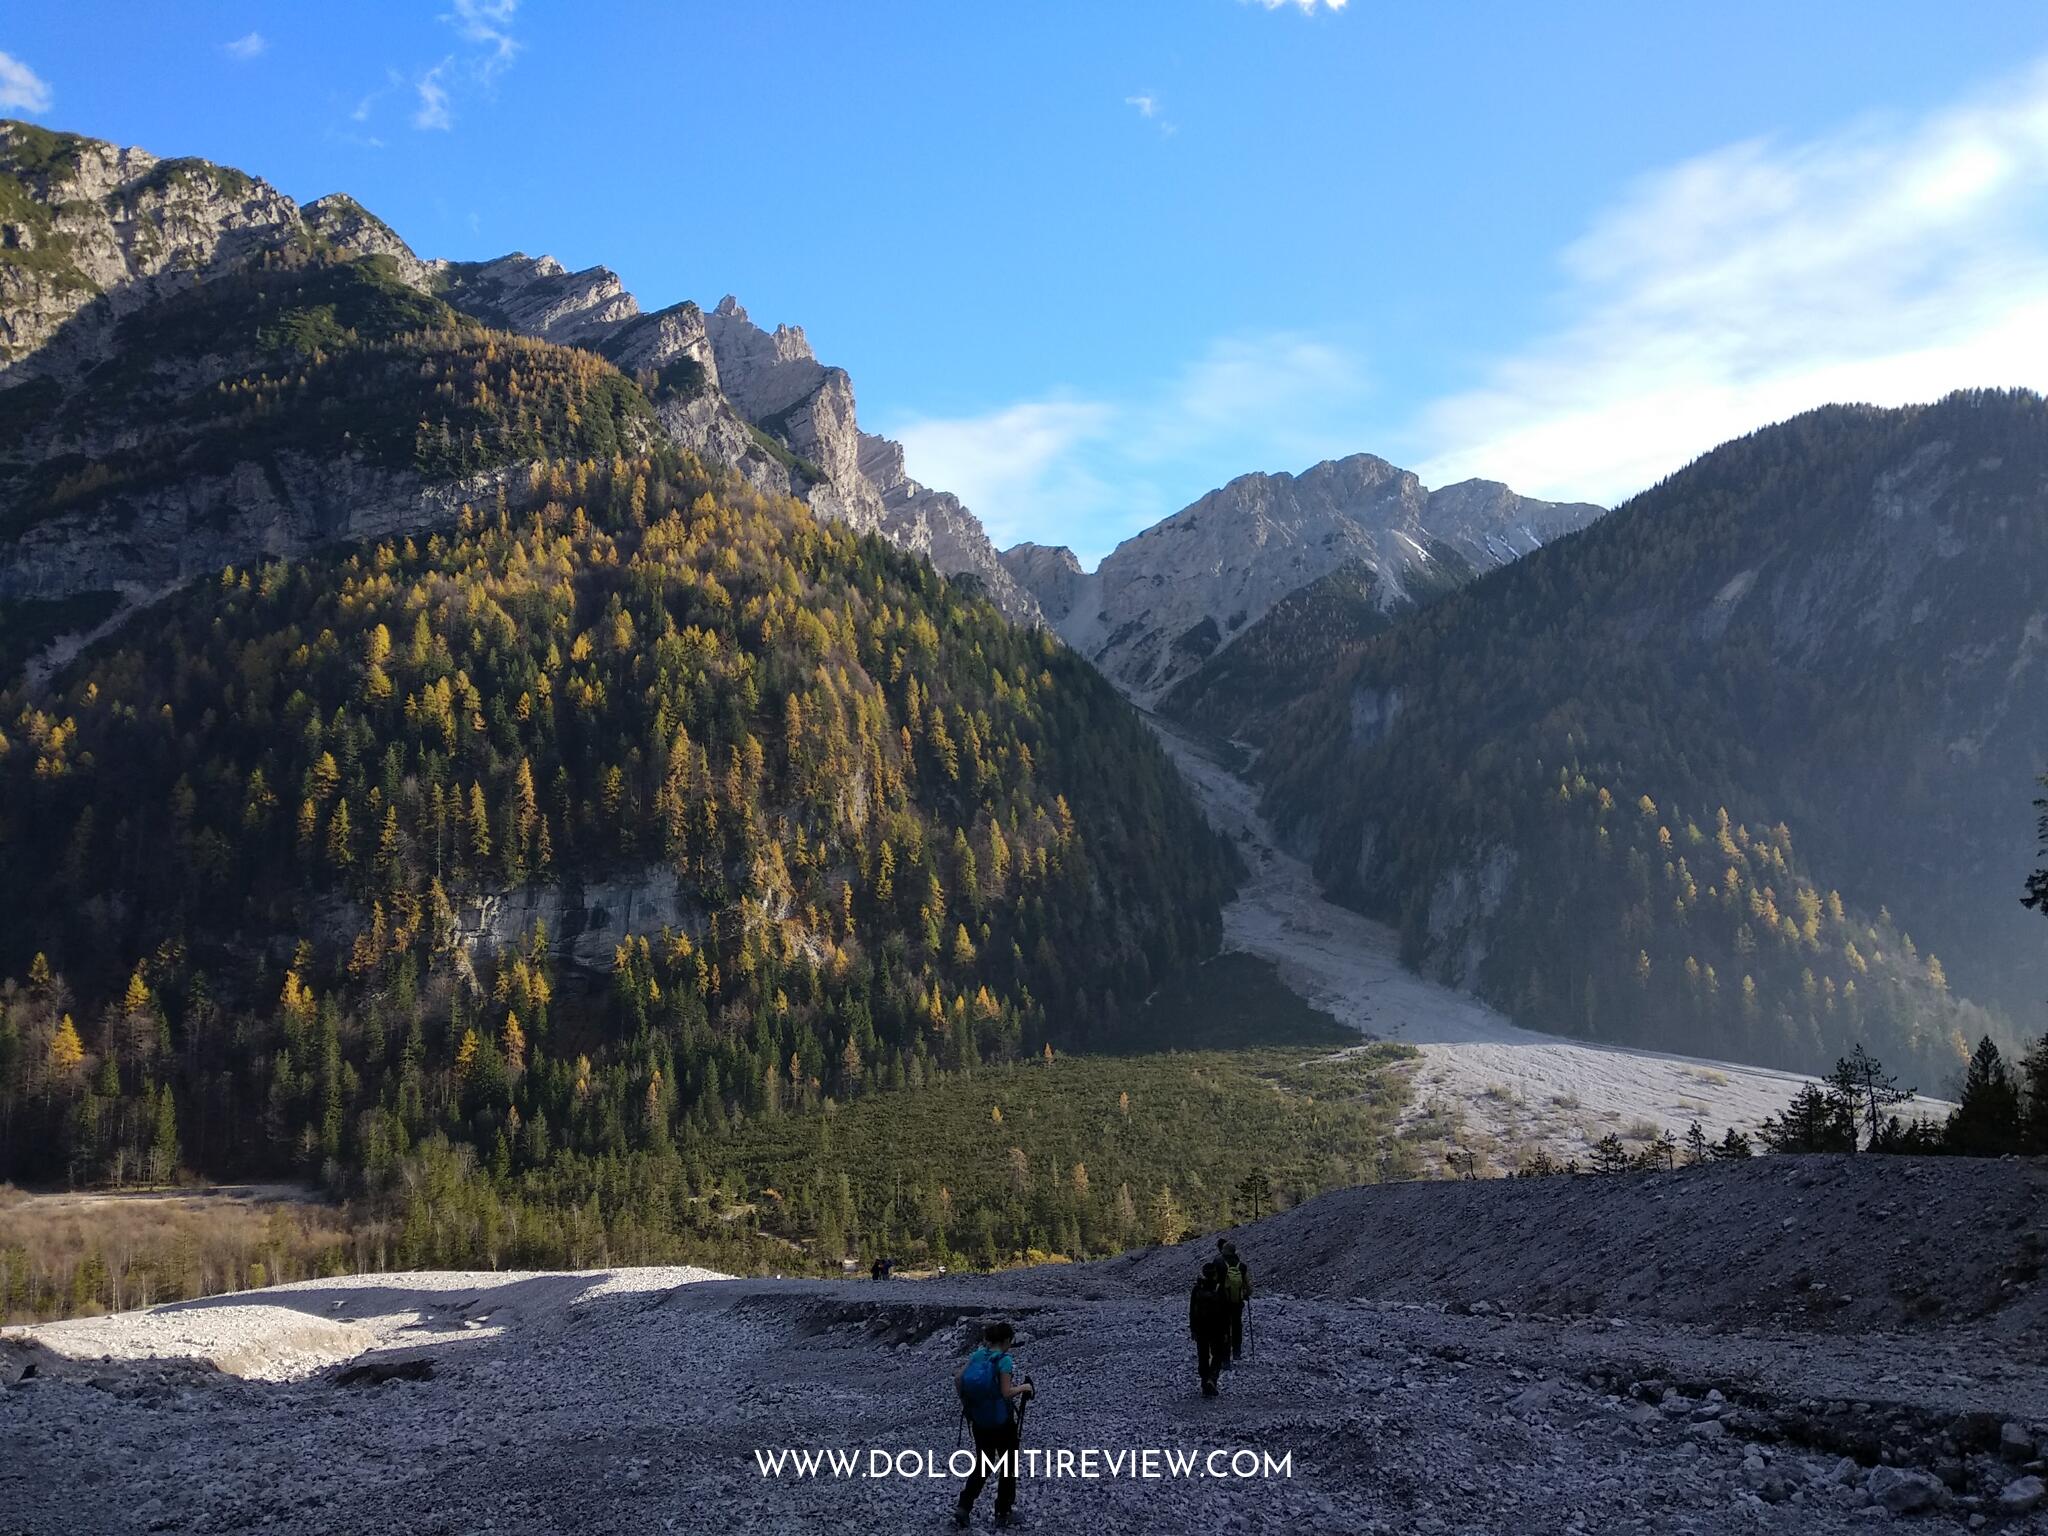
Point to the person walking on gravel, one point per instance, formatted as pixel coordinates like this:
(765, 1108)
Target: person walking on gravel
(1237, 1289)
(993, 1400)
(1209, 1322)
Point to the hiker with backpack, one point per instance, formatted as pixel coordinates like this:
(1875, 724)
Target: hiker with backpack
(992, 1400)
(1209, 1322)
(1237, 1288)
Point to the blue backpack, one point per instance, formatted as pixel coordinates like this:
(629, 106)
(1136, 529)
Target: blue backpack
(981, 1391)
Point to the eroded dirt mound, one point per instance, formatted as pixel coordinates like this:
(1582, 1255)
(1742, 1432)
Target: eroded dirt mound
(1834, 1243)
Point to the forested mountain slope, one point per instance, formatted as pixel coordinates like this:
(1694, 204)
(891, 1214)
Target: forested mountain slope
(489, 775)
(1832, 630)
(1304, 639)
(249, 845)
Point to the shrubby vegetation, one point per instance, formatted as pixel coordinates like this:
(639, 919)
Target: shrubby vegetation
(60, 1257)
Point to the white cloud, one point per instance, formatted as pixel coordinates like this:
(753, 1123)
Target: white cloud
(1011, 466)
(433, 111)
(1090, 472)
(1885, 262)
(21, 88)
(1147, 105)
(1306, 7)
(247, 46)
(488, 23)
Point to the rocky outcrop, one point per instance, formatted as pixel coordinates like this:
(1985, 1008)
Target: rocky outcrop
(538, 296)
(97, 232)
(347, 225)
(754, 400)
(1049, 572)
(1165, 601)
(773, 380)
(585, 921)
(935, 524)
(164, 536)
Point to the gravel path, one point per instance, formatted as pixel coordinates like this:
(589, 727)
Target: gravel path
(631, 1403)
(1494, 1087)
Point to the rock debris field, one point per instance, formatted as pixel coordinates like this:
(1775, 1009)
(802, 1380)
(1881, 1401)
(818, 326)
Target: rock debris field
(1651, 1353)
(1511, 1089)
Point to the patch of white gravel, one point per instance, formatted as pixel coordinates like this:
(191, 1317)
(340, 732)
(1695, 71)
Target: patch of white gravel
(1491, 1084)
(290, 1332)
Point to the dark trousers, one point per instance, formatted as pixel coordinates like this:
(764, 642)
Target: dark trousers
(989, 1444)
(1212, 1353)
(1236, 1329)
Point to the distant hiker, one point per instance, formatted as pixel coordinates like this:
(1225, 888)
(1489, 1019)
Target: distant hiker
(992, 1399)
(1237, 1288)
(879, 1270)
(1209, 1322)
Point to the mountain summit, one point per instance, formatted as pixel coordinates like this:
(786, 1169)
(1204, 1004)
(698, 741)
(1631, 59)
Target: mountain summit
(1167, 600)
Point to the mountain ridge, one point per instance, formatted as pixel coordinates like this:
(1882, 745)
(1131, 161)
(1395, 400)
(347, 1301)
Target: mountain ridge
(91, 234)
(1171, 597)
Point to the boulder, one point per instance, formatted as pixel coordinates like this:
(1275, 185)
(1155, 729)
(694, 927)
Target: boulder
(2022, 1496)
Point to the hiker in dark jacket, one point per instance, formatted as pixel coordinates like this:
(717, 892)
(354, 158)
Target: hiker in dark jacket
(1209, 1322)
(993, 1400)
(1237, 1289)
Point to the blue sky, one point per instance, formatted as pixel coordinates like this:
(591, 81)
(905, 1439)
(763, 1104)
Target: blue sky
(1091, 259)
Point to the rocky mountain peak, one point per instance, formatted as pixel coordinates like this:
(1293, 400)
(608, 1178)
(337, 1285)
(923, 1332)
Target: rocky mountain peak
(1172, 596)
(90, 233)
(347, 225)
(540, 297)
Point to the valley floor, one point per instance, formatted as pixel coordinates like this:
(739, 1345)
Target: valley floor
(637, 1400)
(1493, 1088)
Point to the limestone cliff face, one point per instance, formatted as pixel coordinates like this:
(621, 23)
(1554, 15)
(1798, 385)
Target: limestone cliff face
(96, 232)
(199, 525)
(778, 384)
(1049, 572)
(754, 400)
(1167, 599)
(91, 233)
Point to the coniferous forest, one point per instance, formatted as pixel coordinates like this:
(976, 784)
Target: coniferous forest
(254, 833)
